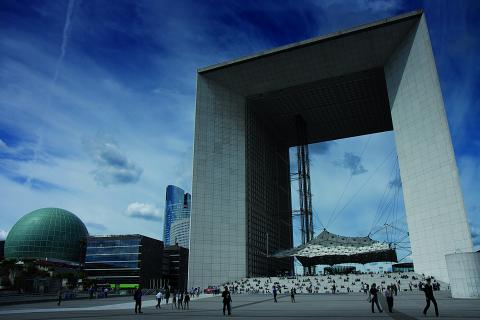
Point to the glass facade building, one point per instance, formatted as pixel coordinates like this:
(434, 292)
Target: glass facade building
(180, 232)
(125, 261)
(177, 209)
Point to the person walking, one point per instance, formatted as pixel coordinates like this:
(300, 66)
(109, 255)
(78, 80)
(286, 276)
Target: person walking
(389, 296)
(137, 296)
(186, 301)
(374, 298)
(292, 295)
(90, 292)
(105, 292)
(59, 296)
(159, 299)
(428, 290)
(274, 289)
(174, 300)
(167, 295)
(227, 300)
(180, 299)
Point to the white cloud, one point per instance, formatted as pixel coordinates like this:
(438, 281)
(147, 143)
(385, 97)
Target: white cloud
(144, 211)
(3, 234)
(113, 167)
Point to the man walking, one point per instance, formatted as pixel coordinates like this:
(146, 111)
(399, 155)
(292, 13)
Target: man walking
(186, 300)
(90, 292)
(374, 298)
(389, 296)
(274, 289)
(292, 295)
(174, 299)
(59, 296)
(159, 299)
(429, 296)
(227, 300)
(167, 295)
(180, 299)
(137, 296)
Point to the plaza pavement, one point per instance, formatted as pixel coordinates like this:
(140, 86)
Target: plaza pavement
(324, 306)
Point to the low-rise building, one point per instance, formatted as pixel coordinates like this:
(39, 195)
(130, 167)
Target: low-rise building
(177, 258)
(126, 262)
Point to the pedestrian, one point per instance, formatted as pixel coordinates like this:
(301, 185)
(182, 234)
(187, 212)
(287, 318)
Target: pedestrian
(374, 298)
(428, 290)
(334, 289)
(159, 299)
(90, 292)
(292, 295)
(167, 295)
(59, 296)
(389, 296)
(137, 296)
(227, 300)
(174, 299)
(186, 301)
(180, 299)
(105, 292)
(274, 289)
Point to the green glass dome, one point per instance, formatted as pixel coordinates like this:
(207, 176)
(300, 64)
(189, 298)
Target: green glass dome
(47, 233)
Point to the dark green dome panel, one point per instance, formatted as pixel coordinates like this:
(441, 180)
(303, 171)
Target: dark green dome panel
(50, 233)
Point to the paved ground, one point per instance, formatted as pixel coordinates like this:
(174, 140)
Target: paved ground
(341, 306)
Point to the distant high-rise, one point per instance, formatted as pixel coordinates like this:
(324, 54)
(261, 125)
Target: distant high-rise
(177, 217)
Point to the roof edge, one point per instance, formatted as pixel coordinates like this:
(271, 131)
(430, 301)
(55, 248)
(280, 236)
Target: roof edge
(312, 41)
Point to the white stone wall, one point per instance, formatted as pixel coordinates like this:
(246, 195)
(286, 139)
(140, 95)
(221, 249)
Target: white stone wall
(436, 217)
(217, 238)
(464, 274)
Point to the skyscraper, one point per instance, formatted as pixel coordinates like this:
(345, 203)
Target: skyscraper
(177, 215)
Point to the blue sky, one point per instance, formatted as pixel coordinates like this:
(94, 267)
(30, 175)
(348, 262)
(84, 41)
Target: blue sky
(97, 102)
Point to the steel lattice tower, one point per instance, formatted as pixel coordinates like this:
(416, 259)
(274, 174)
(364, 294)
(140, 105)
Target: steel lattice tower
(305, 195)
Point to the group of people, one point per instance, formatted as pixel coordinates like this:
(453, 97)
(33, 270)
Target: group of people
(180, 299)
(101, 292)
(391, 290)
